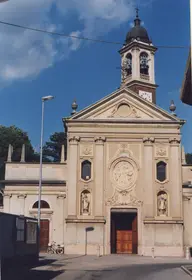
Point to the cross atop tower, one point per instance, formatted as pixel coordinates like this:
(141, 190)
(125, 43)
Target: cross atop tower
(137, 12)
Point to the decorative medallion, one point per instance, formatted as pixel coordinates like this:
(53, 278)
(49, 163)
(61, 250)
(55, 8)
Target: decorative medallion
(124, 110)
(123, 173)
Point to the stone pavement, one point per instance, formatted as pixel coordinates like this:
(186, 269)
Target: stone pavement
(113, 267)
(76, 267)
(109, 261)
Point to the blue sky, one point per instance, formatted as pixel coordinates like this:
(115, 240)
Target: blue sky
(34, 65)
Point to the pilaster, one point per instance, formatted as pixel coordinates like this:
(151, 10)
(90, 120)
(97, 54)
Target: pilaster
(60, 205)
(21, 203)
(72, 181)
(148, 167)
(134, 53)
(99, 176)
(175, 178)
(152, 67)
(6, 202)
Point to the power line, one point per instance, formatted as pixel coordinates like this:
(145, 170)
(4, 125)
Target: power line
(79, 37)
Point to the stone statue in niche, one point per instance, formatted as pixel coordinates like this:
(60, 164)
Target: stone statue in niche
(85, 203)
(162, 203)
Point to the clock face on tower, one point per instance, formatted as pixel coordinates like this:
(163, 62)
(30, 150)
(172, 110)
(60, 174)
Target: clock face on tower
(146, 95)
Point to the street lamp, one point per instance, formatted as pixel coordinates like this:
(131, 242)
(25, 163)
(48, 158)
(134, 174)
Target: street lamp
(45, 98)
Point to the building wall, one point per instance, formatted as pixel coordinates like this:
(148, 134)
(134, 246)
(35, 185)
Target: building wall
(20, 199)
(108, 147)
(186, 173)
(30, 171)
(112, 148)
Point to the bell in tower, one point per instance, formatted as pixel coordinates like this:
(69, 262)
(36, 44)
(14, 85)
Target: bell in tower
(137, 62)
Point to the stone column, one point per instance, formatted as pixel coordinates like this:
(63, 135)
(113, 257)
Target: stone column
(60, 207)
(148, 182)
(6, 202)
(21, 203)
(174, 169)
(99, 176)
(72, 176)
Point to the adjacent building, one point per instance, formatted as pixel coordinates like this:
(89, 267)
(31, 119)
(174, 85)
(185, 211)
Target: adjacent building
(186, 89)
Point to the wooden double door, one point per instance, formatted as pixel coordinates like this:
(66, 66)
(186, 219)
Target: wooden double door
(124, 233)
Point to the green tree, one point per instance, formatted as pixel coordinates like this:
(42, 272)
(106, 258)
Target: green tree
(52, 148)
(188, 158)
(16, 137)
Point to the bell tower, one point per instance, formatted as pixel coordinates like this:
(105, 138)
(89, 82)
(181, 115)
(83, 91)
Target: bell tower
(137, 62)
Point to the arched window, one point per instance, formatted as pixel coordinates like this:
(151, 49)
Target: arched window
(144, 67)
(86, 170)
(43, 205)
(161, 171)
(129, 64)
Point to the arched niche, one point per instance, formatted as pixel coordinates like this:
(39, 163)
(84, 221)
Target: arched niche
(85, 202)
(162, 203)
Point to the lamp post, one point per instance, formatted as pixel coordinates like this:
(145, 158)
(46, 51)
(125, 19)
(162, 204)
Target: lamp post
(45, 98)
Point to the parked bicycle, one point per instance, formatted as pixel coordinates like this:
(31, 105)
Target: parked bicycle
(55, 249)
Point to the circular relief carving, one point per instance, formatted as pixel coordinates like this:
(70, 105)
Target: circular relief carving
(124, 174)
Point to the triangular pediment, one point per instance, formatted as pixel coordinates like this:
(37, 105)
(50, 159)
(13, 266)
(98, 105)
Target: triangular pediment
(123, 104)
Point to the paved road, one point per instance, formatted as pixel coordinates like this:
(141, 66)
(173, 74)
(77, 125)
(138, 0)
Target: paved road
(113, 267)
(135, 272)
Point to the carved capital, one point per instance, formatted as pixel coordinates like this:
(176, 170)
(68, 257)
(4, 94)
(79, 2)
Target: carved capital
(21, 196)
(74, 139)
(174, 141)
(100, 139)
(61, 196)
(186, 198)
(7, 195)
(148, 140)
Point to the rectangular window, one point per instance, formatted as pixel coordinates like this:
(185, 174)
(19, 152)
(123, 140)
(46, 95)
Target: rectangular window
(20, 225)
(31, 232)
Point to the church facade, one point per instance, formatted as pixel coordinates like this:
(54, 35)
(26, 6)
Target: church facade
(125, 186)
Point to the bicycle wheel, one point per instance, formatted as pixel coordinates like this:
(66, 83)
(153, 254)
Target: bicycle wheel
(59, 251)
(49, 250)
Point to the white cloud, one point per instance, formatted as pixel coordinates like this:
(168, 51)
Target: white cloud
(24, 53)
